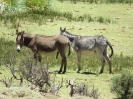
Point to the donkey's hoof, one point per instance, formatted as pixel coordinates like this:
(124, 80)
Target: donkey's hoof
(111, 73)
(100, 72)
(59, 72)
(63, 72)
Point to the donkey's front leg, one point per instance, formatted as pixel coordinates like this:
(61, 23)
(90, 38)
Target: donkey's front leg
(35, 52)
(39, 58)
(35, 57)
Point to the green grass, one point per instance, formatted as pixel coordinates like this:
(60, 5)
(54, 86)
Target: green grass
(119, 33)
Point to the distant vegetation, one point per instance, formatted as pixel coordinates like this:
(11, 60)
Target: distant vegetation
(40, 11)
(13, 6)
(100, 1)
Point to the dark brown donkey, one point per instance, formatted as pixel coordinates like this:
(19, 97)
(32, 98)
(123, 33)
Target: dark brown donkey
(44, 44)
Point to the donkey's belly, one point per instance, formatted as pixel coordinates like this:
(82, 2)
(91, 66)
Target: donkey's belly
(48, 52)
(89, 52)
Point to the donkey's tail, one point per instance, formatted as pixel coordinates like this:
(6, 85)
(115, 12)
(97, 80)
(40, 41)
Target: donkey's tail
(69, 52)
(57, 55)
(112, 51)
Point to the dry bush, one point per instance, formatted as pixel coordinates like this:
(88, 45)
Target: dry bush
(9, 60)
(36, 74)
(82, 89)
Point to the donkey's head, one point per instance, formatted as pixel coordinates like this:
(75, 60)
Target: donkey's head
(65, 33)
(62, 31)
(19, 40)
(69, 35)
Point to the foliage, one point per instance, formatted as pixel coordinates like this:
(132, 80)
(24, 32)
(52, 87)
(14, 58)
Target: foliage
(15, 6)
(123, 85)
(40, 16)
(39, 11)
(100, 1)
(41, 4)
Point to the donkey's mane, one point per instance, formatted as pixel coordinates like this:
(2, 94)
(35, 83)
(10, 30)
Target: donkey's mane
(26, 35)
(70, 35)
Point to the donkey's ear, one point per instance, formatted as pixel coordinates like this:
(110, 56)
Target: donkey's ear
(60, 29)
(64, 29)
(22, 32)
(16, 31)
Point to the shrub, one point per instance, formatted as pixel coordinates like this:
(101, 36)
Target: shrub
(82, 89)
(123, 85)
(39, 4)
(13, 6)
(36, 74)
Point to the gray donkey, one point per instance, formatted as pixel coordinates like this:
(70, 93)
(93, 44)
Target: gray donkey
(90, 45)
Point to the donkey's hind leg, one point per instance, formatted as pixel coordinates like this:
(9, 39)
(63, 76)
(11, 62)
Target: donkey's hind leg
(61, 67)
(103, 64)
(62, 50)
(57, 55)
(63, 63)
(108, 60)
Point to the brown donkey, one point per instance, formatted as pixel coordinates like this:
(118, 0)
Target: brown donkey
(44, 44)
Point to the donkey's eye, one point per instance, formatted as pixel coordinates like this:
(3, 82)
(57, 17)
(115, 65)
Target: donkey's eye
(21, 42)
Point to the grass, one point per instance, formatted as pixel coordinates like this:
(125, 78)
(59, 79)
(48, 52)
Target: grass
(17, 92)
(99, 1)
(119, 33)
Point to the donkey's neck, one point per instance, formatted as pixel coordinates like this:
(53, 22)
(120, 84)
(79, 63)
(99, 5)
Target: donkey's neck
(27, 39)
(69, 35)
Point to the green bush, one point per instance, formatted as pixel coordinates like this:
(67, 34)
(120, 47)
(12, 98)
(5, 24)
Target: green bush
(123, 85)
(13, 6)
(39, 4)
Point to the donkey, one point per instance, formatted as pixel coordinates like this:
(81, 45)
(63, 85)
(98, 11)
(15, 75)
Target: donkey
(44, 44)
(90, 45)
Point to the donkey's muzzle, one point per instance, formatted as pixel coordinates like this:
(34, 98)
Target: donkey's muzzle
(18, 48)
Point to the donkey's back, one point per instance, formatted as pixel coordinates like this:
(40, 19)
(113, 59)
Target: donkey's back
(49, 44)
(89, 45)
